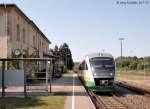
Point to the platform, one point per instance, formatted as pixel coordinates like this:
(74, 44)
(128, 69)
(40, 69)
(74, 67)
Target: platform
(71, 87)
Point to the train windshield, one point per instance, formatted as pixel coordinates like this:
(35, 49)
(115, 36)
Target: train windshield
(101, 62)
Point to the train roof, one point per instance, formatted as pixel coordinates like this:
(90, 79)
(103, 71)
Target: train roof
(99, 55)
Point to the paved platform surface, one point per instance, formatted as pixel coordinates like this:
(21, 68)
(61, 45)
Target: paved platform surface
(71, 86)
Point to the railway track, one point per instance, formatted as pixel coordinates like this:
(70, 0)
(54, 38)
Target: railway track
(123, 97)
(111, 102)
(135, 98)
(107, 101)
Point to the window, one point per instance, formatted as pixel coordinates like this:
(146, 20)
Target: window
(80, 67)
(42, 47)
(46, 49)
(24, 35)
(101, 61)
(85, 66)
(38, 45)
(18, 32)
(9, 25)
(34, 41)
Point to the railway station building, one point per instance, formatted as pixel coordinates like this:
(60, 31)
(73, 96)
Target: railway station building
(17, 31)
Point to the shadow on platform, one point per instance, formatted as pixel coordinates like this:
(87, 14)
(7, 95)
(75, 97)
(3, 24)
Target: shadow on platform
(67, 81)
(70, 94)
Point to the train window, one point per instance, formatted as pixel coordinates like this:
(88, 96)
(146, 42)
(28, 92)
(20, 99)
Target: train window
(80, 67)
(85, 66)
(101, 61)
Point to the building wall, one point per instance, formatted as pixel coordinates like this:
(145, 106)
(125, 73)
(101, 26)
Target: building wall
(3, 36)
(30, 37)
(3, 47)
(2, 22)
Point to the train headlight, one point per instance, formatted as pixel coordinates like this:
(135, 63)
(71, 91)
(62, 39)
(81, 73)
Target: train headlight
(111, 74)
(94, 74)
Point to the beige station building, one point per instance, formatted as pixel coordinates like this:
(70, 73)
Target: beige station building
(17, 31)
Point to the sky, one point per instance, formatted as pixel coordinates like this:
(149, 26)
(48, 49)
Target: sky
(90, 26)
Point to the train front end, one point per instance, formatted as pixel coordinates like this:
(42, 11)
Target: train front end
(103, 72)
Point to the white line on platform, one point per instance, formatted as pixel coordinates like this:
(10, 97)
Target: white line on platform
(73, 93)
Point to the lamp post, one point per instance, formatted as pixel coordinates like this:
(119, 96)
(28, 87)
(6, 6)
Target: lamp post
(145, 64)
(121, 39)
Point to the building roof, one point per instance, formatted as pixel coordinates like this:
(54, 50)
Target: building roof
(27, 19)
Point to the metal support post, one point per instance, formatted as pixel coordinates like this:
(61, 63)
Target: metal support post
(50, 80)
(3, 78)
(25, 83)
(47, 76)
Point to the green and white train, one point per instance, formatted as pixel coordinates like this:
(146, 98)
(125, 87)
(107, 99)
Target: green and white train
(97, 71)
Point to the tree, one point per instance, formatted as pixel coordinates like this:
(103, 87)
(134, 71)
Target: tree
(66, 56)
(56, 51)
(132, 63)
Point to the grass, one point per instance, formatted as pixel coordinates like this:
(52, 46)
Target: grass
(34, 102)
